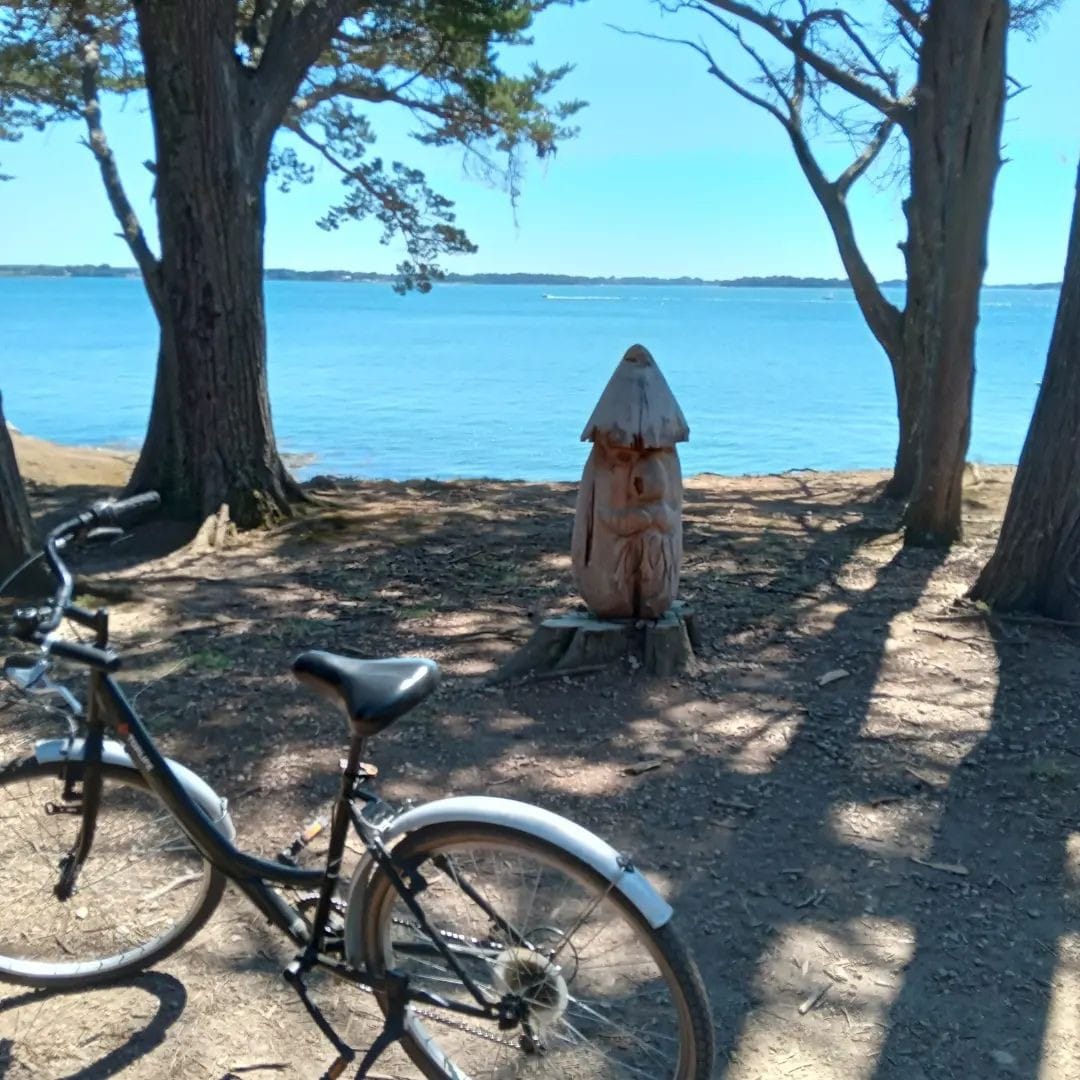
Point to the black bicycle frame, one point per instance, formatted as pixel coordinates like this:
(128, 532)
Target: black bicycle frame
(253, 875)
(250, 873)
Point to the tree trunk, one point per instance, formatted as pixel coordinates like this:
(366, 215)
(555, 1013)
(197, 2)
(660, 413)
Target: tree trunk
(210, 439)
(1036, 564)
(955, 156)
(16, 528)
(905, 471)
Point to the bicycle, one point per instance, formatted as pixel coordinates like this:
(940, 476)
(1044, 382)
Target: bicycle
(497, 938)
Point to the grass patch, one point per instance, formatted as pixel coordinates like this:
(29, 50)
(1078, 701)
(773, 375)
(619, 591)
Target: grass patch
(210, 660)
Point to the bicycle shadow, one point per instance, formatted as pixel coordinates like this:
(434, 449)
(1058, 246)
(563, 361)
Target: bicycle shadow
(171, 996)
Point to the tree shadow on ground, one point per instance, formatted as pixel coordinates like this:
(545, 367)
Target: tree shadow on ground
(801, 828)
(168, 992)
(988, 942)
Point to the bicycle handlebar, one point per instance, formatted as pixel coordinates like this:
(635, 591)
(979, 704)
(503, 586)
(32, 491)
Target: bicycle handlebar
(126, 512)
(36, 624)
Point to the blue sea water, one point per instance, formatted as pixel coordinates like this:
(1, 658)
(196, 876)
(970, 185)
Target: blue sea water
(498, 381)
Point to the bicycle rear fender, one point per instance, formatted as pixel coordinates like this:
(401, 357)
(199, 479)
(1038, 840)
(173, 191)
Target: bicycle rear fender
(55, 751)
(544, 825)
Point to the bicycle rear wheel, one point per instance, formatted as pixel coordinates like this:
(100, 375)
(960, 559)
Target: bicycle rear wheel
(142, 893)
(608, 996)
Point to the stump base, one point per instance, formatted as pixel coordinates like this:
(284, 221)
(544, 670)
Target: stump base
(569, 643)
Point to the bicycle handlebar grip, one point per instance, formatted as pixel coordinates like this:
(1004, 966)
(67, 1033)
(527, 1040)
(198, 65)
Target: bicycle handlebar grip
(127, 511)
(103, 659)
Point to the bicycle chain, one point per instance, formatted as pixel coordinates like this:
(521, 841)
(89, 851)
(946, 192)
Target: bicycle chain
(467, 1028)
(460, 1025)
(308, 899)
(448, 934)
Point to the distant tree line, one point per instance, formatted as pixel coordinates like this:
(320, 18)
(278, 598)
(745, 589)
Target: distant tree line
(770, 281)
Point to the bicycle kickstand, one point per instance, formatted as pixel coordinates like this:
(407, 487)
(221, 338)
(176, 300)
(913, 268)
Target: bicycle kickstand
(294, 976)
(397, 997)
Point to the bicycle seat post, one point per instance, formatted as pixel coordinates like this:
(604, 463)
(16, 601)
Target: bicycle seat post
(338, 831)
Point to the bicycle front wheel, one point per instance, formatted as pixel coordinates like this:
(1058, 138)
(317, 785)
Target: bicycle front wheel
(605, 995)
(142, 893)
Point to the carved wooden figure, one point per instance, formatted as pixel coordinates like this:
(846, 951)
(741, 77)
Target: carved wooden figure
(627, 541)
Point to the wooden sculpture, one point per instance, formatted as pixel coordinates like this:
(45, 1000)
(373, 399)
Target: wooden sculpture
(627, 541)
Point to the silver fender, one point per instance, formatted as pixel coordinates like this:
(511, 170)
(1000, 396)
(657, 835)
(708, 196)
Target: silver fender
(55, 751)
(542, 824)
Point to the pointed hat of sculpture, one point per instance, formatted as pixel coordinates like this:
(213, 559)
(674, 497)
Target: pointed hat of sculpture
(637, 407)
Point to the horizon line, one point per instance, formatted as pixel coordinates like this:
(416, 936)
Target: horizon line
(523, 277)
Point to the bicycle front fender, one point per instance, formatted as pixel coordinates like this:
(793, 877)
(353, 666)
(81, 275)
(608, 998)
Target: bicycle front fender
(635, 888)
(57, 751)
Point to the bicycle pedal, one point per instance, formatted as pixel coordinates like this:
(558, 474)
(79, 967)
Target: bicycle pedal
(339, 1065)
(289, 855)
(364, 768)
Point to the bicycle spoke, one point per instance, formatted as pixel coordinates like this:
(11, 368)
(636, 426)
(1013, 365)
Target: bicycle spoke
(601, 1009)
(140, 880)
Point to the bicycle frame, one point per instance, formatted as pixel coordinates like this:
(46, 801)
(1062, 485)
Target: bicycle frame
(254, 876)
(249, 873)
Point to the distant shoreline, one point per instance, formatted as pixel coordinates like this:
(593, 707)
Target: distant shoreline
(57, 464)
(777, 281)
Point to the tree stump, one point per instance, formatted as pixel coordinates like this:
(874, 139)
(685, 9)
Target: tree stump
(569, 643)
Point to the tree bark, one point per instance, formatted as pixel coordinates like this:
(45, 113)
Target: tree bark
(210, 439)
(908, 406)
(955, 156)
(1036, 564)
(16, 528)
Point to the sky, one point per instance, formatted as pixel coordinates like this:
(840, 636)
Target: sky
(671, 174)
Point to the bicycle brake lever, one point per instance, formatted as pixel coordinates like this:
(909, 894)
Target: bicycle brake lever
(105, 534)
(30, 675)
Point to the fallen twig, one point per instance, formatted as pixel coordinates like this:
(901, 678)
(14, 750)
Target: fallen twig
(734, 804)
(585, 669)
(644, 766)
(1006, 616)
(114, 591)
(923, 778)
(814, 999)
(472, 635)
(945, 868)
(881, 800)
(974, 643)
(176, 883)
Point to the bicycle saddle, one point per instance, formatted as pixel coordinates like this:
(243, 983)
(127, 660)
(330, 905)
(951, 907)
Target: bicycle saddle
(374, 693)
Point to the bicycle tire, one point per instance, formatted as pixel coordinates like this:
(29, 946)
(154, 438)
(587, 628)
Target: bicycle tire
(382, 913)
(142, 872)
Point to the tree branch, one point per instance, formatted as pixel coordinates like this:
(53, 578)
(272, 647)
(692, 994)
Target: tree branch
(881, 316)
(371, 92)
(352, 174)
(713, 69)
(911, 38)
(907, 13)
(1017, 87)
(782, 33)
(294, 42)
(36, 94)
(767, 72)
(877, 68)
(132, 231)
(866, 158)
